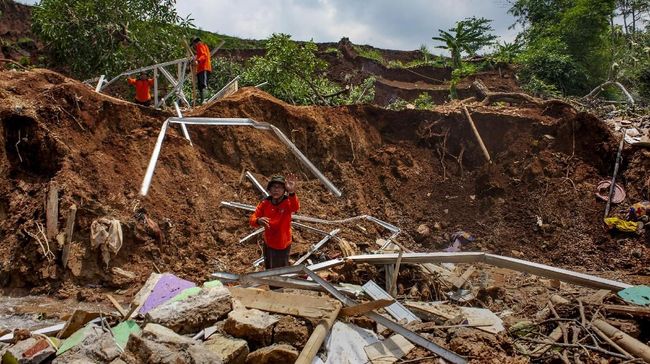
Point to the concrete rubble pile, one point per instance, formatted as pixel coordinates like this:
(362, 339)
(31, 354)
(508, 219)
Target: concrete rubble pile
(302, 314)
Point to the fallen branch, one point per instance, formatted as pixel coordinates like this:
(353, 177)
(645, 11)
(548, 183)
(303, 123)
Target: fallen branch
(600, 350)
(600, 88)
(12, 62)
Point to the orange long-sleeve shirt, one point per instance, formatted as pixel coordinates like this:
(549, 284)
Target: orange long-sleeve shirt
(142, 93)
(278, 234)
(203, 58)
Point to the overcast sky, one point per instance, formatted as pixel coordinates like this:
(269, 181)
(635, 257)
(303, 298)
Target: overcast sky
(392, 24)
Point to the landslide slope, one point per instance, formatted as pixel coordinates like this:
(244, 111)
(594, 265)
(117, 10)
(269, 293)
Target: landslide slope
(408, 168)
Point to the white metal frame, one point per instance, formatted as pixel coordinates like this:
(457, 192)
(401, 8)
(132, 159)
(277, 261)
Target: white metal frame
(146, 183)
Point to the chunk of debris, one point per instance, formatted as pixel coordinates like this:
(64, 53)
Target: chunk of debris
(253, 325)
(389, 350)
(274, 354)
(193, 313)
(228, 349)
(30, 351)
(158, 344)
(163, 288)
(290, 330)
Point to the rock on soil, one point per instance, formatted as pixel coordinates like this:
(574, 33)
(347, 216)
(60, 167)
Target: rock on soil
(228, 349)
(252, 325)
(274, 354)
(290, 330)
(193, 313)
(158, 344)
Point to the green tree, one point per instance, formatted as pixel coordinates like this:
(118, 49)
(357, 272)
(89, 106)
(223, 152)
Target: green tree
(110, 36)
(468, 36)
(566, 42)
(293, 71)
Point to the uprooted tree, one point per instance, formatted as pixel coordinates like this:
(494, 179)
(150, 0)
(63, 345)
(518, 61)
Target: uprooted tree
(109, 36)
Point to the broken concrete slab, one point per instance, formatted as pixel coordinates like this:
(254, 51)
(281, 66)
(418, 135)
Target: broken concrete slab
(292, 331)
(274, 354)
(193, 313)
(30, 351)
(252, 325)
(166, 288)
(95, 346)
(230, 350)
(158, 344)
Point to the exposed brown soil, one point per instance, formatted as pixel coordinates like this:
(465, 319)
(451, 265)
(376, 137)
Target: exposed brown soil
(16, 39)
(388, 164)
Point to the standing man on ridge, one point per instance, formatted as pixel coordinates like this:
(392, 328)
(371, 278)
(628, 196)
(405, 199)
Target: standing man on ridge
(203, 65)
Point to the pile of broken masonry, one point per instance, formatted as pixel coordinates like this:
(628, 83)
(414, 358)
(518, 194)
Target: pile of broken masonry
(295, 314)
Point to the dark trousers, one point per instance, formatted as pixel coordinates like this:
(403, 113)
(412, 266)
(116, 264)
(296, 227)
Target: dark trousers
(202, 83)
(143, 103)
(274, 258)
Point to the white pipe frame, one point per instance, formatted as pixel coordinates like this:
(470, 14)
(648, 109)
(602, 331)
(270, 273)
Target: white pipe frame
(146, 183)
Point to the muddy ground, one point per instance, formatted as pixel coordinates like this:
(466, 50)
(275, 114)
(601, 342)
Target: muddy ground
(397, 166)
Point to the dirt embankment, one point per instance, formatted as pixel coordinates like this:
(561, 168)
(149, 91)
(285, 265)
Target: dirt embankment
(408, 168)
(16, 39)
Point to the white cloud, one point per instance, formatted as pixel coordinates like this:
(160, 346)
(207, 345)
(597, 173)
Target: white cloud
(390, 24)
(382, 23)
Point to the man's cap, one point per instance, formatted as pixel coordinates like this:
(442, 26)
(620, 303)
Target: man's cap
(195, 40)
(276, 179)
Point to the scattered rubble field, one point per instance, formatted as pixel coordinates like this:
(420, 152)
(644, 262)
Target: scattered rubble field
(422, 171)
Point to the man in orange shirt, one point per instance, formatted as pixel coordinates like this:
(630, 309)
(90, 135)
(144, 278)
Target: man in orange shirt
(274, 214)
(142, 87)
(203, 65)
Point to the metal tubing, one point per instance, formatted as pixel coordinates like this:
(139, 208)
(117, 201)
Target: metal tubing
(538, 269)
(257, 184)
(155, 87)
(223, 90)
(317, 246)
(306, 162)
(186, 134)
(251, 235)
(395, 327)
(99, 84)
(381, 223)
(147, 68)
(154, 159)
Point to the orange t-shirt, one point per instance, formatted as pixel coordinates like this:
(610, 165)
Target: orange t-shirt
(142, 93)
(203, 58)
(278, 234)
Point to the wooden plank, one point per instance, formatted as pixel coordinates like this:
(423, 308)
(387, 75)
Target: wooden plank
(460, 282)
(477, 134)
(52, 212)
(318, 336)
(117, 306)
(366, 307)
(69, 231)
(284, 303)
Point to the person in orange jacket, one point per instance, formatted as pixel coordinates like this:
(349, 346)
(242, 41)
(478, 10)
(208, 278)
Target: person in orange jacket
(142, 89)
(274, 214)
(203, 65)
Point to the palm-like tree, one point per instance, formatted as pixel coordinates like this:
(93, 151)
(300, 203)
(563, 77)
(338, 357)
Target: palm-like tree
(469, 35)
